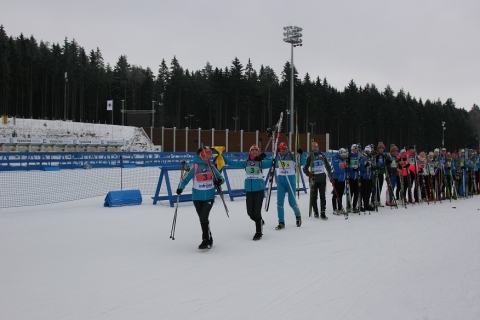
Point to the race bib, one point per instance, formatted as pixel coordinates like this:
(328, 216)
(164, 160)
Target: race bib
(203, 180)
(286, 167)
(394, 164)
(254, 173)
(318, 167)
(354, 163)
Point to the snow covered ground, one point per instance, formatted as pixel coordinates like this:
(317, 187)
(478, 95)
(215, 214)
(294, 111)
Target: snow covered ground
(79, 260)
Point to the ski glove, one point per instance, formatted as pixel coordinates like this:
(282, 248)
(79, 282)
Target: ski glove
(179, 191)
(305, 170)
(367, 164)
(218, 182)
(300, 151)
(261, 156)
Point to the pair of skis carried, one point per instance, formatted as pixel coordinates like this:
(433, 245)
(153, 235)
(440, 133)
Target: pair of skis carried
(271, 171)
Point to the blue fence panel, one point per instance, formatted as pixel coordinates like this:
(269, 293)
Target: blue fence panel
(78, 160)
(164, 175)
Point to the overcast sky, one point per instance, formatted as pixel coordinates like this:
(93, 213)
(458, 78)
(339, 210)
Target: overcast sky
(429, 48)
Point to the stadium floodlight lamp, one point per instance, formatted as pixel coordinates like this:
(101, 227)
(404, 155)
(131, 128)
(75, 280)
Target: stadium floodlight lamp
(293, 36)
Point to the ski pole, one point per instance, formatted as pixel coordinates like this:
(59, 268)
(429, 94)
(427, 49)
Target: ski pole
(174, 222)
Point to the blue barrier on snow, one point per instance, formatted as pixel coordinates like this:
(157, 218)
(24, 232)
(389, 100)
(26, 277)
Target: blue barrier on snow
(123, 198)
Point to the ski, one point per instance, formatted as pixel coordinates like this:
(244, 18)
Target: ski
(271, 172)
(359, 193)
(311, 179)
(297, 157)
(347, 186)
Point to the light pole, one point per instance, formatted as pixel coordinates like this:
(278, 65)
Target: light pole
(190, 122)
(153, 120)
(65, 102)
(311, 125)
(293, 36)
(186, 121)
(235, 118)
(123, 112)
(443, 133)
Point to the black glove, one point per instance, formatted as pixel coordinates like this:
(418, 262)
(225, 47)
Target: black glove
(179, 191)
(218, 182)
(261, 156)
(420, 171)
(463, 167)
(367, 164)
(300, 151)
(306, 171)
(407, 166)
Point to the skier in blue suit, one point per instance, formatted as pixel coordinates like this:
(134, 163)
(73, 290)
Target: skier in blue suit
(286, 170)
(254, 184)
(339, 176)
(203, 191)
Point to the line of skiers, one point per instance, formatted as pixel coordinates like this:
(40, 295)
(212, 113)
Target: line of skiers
(358, 175)
(410, 177)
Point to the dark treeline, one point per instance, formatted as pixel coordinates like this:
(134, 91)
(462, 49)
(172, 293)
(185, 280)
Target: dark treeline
(33, 85)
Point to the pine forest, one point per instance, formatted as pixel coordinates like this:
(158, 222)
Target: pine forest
(58, 81)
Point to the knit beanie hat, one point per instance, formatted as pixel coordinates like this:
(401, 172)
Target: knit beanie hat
(393, 148)
(380, 145)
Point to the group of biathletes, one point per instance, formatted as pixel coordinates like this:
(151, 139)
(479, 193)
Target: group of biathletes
(410, 177)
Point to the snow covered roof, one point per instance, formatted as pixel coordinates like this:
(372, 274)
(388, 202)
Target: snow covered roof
(59, 129)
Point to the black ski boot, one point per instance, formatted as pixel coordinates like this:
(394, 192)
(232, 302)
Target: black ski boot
(316, 215)
(210, 241)
(207, 237)
(299, 221)
(258, 226)
(205, 244)
(323, 216)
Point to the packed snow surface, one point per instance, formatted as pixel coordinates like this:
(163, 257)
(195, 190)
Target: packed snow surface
(80, 260)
